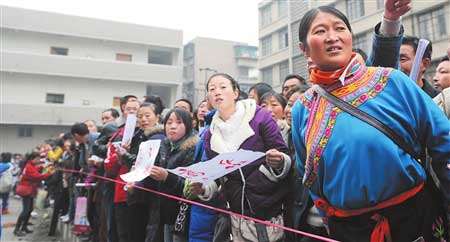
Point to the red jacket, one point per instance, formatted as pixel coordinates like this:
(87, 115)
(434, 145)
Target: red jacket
(31, 176)
(114, 168)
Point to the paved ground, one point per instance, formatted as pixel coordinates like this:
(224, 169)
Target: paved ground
(40, 227)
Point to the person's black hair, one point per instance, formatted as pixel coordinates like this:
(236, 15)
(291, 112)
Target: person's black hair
(361, 52)
(31, 156)
(191, 109)
(155, 99)
(308, 18)
(445, 58)
(67, 136)
(242, 95)
(260, 88)
(80, 129)
(202, 101)
(197, 122)
(114, 112)
(185, 117)
(234, 83)
(152, 106)
(5, 157)
(413, 41)
(294, 76)
(124, 100)
(300, 90)
(292, 91)
(280, 98)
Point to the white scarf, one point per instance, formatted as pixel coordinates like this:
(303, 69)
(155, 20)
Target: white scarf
(227, 136)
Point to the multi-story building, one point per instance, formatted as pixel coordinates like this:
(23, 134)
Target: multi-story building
(427, 19)
(58, 69)
(205, 56)
(274, 53)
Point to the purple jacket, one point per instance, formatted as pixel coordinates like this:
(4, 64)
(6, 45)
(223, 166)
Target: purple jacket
(263, 196)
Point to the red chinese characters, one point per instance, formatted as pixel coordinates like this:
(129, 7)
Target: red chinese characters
(230, 164)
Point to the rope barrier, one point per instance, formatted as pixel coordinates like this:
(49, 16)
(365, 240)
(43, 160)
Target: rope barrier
(206, 206)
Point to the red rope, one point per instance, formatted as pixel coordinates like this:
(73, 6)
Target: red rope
(206, 206)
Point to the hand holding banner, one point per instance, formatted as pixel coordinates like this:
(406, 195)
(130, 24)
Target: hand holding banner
(144, 161)
(221, 165)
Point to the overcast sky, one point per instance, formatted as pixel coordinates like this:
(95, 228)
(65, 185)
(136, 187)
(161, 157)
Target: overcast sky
(235, 20)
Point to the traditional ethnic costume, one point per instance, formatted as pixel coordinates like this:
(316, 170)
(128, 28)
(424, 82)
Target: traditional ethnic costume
(366, 185)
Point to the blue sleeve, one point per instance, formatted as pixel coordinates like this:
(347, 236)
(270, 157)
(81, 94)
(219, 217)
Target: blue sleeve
(433, 129)
(298, 122)
(4, 167)
(199, 153)
(385, 50)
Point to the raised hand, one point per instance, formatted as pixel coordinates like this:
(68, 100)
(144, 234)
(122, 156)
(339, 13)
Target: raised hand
(394, 9)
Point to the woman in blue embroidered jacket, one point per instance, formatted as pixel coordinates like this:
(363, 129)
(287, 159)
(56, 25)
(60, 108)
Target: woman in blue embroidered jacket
(369, 187)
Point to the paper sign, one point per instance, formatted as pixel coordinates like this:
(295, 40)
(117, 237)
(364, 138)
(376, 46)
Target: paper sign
(221, 165)
(144, 161)
(81, 223)
(130, 125)
(423, 43)
(135, 175)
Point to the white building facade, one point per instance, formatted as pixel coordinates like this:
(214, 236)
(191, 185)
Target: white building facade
(274, 41)
(58, 69)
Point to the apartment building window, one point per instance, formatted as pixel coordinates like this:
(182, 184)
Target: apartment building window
(283, 39)
(267, 75)
(360, 41)
(54, 98)
(282, 8)
(355, 9)
(124, 57)
(432, 25)
(380, 4)
(188, 72)
(24, 131)
(243, 72)
(59, 51)
(266, 45)
(284, 70)
(160, 57)
(253, 73)
(266, 15)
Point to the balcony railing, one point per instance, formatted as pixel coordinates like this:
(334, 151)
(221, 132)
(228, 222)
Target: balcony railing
(90, 68)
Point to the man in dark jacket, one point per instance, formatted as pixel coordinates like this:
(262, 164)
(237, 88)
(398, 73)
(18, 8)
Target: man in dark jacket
(86, 140)
(407, 55)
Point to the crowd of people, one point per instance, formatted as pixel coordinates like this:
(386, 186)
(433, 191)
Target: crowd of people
(325, 171)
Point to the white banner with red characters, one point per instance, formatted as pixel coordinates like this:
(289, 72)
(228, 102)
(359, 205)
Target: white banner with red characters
(130, 125)
(221, 165)
(145, 160)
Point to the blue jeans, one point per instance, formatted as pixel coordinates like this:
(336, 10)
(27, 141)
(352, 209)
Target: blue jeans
(5, 198)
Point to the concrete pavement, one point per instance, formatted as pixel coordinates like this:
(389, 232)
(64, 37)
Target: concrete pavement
(40, 227)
